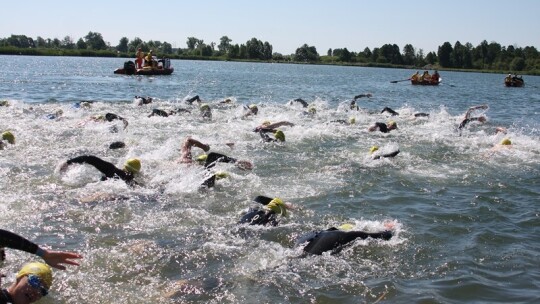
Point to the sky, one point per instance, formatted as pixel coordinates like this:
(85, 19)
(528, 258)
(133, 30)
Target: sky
(286, 25)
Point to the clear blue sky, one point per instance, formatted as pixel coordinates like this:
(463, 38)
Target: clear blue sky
(286, 25)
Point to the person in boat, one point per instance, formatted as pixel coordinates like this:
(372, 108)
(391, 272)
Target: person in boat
(508, 78)
(335, 239)
(384, 128)
(269, 212)
(56, 259)
(32, 282)
(131, 168)
(149, 60)
(8, 137)
(416, 76)
(467, 119)
(435, 77)
(139, 56)
(353, 105)
(425, 77)
(373, 151)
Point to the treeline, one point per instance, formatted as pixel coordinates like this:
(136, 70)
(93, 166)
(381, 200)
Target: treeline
(485, 56)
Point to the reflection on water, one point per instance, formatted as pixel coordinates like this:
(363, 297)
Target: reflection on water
(465, 216)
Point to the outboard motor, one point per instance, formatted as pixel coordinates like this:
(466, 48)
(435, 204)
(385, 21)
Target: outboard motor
(129, 67)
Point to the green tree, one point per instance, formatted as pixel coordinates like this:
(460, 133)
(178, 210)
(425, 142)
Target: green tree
(135, 44)
(345, 55)
(431, 58)
(166, 48)
(409, 54)
(192, 43)
(224, 44)
(517, 64)
(40, 42)
(123, 45)
(81, 45)
(445, 53)
(67, 43)
(306, 53)
(95, 41)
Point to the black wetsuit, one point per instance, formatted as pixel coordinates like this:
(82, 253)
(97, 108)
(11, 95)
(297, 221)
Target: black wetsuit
(393, 154)
(466, 121)
(192, 99)
(211, 161)
(303, 102)
(15, 241)
(5, 297)
(392, 112)
(260, 216)
(146, 100)
(382, 127)
(334, 240)
(108, 169)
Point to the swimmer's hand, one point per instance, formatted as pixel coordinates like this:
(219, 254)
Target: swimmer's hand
(56, 259)
(63, 167)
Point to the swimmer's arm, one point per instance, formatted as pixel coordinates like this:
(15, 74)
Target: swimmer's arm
(279, 124)
(368, 95)
(107, 168)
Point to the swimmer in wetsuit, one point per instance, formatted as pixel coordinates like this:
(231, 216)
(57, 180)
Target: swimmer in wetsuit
(7, 136)
(139, 100)
(162, 113)
(384, 128)
(468, 117)
(268, 214)
(194, 98)
(32, 283)
(334, 239)
(353, 105)
(379, 156)
(53, 258)
(127, 174)
(267, 127)
(394, 113)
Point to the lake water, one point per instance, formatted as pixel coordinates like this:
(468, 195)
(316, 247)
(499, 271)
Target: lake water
(465, 216)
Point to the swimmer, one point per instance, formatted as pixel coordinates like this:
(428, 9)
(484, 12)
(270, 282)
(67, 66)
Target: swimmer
(300, 101)
(334, 239)
(117, 145)
(384, 128)
(394, 113)
(56, 115)
(162, 113)
(206, 112)
(468, 117)
(375, 155)
(32, 283)
(139, 100)
(85, 104)
(131, 167)
(7, 136)
(353, 105)
(266, 125)
(351, 121)
(268, 214)
(194, 98)
(107, 117)
(252, 109)
(505, 144)
(55, 259)
(279, 136)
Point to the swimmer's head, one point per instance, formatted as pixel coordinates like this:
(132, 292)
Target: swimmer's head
(312, 110)
(482, 119)
(346, 227)
(266, 123)
(373, 149)
(279, 135)
(253, 108)
(42, 271)
(9, 137)
(221, 175)
(392, 125)
(201, 158)
(98, 117)
(506, 142)
(277, 206)
(352, 120)
(204, 107)
(133, 165)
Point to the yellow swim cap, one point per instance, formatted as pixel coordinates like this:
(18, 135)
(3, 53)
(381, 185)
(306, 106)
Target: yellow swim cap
(43, 271)
(280, 135)
(392, 123)
(266, 123)
(202, 157)
(506, 142)
(252, 106)
(133, 165)
(277, 206)
(346, 227)
(373, 149)
(312, 110)
(221, 174)
(9, 137)
(204, 107)
(352, 120)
